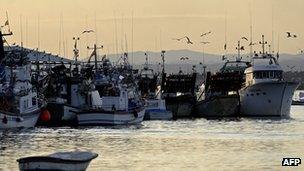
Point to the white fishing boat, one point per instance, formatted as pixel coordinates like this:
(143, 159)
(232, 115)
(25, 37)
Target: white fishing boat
(265, 93)
(115, 99)
(154, 104)
(111, 110)
(19, 106)
(156, 110)
(61, 161)
(298, 98)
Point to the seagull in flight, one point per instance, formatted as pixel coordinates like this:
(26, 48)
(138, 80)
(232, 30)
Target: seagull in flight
(244, 38)
(290, 35)
(188, 40)
(204, 34)
(87, 31)
(184, 58)
(251, 44)
(178, 39)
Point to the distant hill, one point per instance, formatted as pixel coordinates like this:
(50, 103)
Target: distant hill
(35, 55)
(289, 62)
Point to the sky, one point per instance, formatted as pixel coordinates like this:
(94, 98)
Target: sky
(155, 24)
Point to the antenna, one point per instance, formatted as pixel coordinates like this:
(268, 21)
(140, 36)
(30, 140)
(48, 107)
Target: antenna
(225, 46)
(163, 60)
(64, 50)
(251, 31)
(38, 32)
(160, 39)
(26, 31)
(147, 59)
(21, 31)
(116, 36)
(96, 33)
(263, 43)
(239, 48)
(126, 41)
(272, 30)
(122, 33)
(156, 44)
(278, 43)
(87, 36)
(63, 35)
(59, 47)
(132, 37)
(9, 28)
(95, 48)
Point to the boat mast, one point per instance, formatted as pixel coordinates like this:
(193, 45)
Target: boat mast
(263, 43)
(251, 34)
(2, 54)
(239, 48)
(76, 51)
(95, 48)
(163, 60)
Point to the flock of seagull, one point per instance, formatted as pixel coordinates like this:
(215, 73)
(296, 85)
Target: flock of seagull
(189, 41)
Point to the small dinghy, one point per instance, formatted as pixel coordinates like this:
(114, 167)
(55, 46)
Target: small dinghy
(62, 161)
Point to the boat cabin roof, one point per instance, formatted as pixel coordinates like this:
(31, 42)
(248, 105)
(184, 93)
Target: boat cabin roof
(235, 66)
(264, 63)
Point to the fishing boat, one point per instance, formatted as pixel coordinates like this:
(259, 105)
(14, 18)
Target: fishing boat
(178, 90)
(119, 107)
(19, 105)
(219, 95)
(116, 100)
(61, 161)
(298, 98)
(265, 93)
(67, 90)
(149, 89)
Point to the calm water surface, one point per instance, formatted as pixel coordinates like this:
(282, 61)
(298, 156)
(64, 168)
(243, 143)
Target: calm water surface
(244, 144)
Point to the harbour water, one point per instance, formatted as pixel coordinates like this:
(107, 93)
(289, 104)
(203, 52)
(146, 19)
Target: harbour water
(240, 144)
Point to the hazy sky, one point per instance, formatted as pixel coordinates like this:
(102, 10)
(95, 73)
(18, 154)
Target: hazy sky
(156, 22)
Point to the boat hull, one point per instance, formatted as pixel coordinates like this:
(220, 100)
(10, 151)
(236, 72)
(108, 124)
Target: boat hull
(27, 120)
(218, 106)
(61, 115)
(180, 106)
(268, 99)
(47, 165)
(110, 118)
(66, 161)
(158, 114)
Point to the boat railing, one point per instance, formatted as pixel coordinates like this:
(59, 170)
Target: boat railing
(109, 107)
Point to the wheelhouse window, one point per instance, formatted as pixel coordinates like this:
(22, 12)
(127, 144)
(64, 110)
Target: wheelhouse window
(267, 74)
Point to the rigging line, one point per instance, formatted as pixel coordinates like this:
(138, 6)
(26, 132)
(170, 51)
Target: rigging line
(21, 31)
(251, 31)
(132, 37)
(38, 32)
(116, 35)
(26, 31)
(59, 40)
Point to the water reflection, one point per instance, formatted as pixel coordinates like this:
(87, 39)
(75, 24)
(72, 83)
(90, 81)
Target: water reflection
(201, 144)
